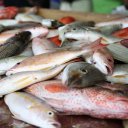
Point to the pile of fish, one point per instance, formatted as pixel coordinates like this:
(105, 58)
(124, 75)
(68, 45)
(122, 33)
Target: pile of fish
(62, 73)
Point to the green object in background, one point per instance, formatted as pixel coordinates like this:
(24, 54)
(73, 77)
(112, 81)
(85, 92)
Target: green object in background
(105, 6)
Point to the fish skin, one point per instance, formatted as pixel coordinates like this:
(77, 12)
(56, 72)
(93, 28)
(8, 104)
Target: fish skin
(42, 45)
(21, 80)
(102, 60)
(48, 60)
(9, 62)
(120, 74)
(94, 101)
(73, 121)
(14, 45)
(81, 75)
(42, 115)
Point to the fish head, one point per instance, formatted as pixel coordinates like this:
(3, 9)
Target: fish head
(103, 61)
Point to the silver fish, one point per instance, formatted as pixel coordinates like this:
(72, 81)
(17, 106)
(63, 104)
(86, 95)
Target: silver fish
(22, 105)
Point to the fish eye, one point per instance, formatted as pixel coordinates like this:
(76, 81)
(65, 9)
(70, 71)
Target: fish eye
(84, 71)
(74, 29)
(18, 63)
(50, 113)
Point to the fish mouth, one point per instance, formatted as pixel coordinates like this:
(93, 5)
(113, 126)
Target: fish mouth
(56, 125)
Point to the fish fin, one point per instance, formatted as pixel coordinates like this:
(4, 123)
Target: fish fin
(119, 76)
(55, 88)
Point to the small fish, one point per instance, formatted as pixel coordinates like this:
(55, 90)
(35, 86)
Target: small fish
(75, 121)
(28, 17)
(8, 12)
(22, 105)
(9, 62)
(50, 23)
(81, 74)
(89, 34)
(120, 74)
(102, 60)
(14, 45)
(42, 45)
(51, 59)
(21, 80)
(94, 101)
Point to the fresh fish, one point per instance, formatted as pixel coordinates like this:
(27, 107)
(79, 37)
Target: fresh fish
(94, 101)
(102, 60)
(21, 80)
(89, 34)
(8, 22)
(50, 23)
(22, 105)
(120, 74)
(88, 122)
(42, 45)
(14, 45)
(123, 21)
(28, 17)
(35, 31)
(9, 62)
(81, 74)
(48, 60)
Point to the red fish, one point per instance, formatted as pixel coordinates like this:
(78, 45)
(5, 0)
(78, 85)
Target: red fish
(94, 101)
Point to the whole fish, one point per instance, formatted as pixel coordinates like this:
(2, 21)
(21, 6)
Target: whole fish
(9, 62)
(42, 45)
(42, 115)
(28, 17)
(14, 45)
(102, 60)
(94, 101)
(89, 34)
(21, 80)
(48, 60)
(87, 122)
(120, 74)
(81, 74)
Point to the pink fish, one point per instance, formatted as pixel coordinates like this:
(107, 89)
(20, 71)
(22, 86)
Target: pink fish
(94, 101)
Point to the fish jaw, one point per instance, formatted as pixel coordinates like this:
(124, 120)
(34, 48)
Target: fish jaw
(103, 61)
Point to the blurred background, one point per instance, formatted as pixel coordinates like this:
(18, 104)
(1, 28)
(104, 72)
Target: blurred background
(97, 6)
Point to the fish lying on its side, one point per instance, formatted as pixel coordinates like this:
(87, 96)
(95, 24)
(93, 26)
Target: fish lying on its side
(9, 62)
(29, 109)
(120, 74)
(14, 45)
(81, 74)
(48, 60)
(21, 80)
(94, 101)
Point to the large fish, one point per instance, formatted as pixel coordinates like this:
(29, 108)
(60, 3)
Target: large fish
(94, 101)
(89, 34)
(9, 62)
(14, 45)
(81, 74)
(48, 60)
(120, 74)
(21, 80)
(22, 105)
